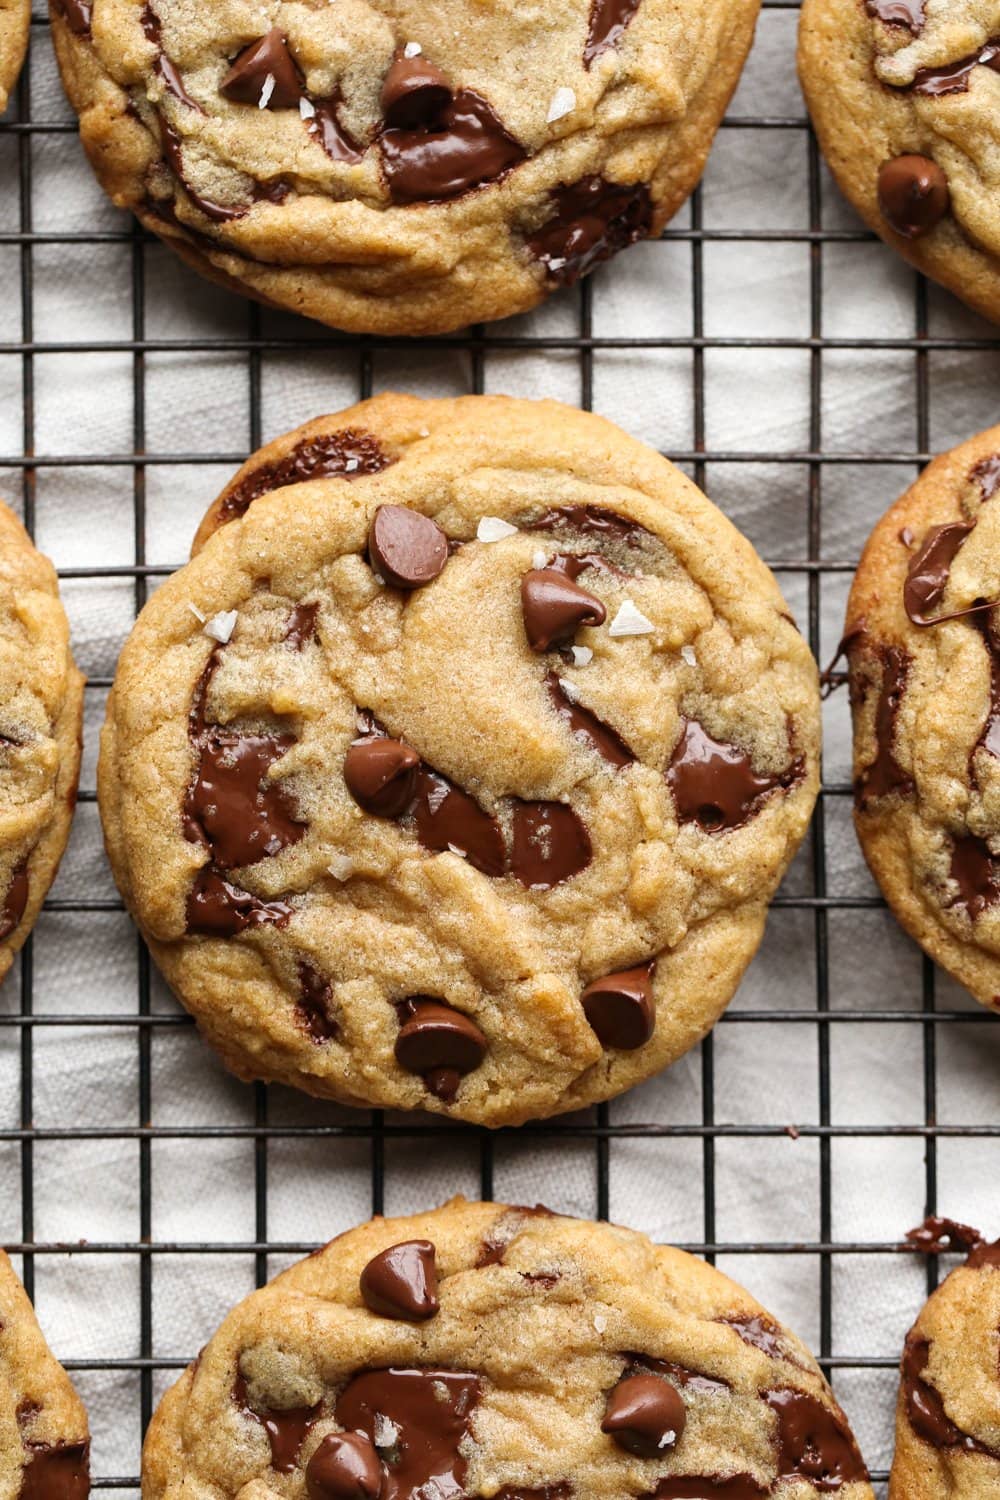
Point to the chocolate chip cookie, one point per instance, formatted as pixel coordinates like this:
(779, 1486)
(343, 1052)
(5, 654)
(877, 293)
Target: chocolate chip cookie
(923, 645)
(15, 24)
(400, 168)
(459, 777)
(41, 709)
(44, 1447)
(906, 103)
(948, 1410)
(487, 1351)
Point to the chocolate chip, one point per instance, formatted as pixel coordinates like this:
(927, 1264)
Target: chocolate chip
(217, 908)
(56, 1471)
(414, 94)
(586, 726)
(814, 1442)
(468, 147)
(345, 1466)
(554, 607)
(913, 195)
(714, 783)
(232, 806)
(591, 520)
(405, 548)
(433, 1037)
(609, 20)
(286, 1429)
(550, 845)
(645, 1415)
(262, 60)
(447, 818)
(430, 1411)
(619, 1008)
(301, 626)
(986, 474)
(380, 775)
(591, 221)
(15, 901)
(929, 569)
(401, 1282)
(909, 13)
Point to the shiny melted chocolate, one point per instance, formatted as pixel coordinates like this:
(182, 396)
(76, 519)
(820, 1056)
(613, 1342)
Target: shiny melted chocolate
(418, 1420)
(924, 1405)
(76, 14)
(15, 901)
(55, 1471)
(714, 783)
(314, 1009)
(349, 453)
(908, 13)
(585, 726)
(938, 1236)
(465, 147)
(953, 78)
(929, 570)
(591, 221)
(814, 1442)
(590, 520)
(164, 67)
(286, 1430)
(609, 20)
(885, 775)
(976, 872)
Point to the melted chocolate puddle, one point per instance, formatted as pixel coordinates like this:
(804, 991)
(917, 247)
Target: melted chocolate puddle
(592, 220)
(714, 783)
(446, 817)
(976, 873)
(586, 726)
(929, 570)
(953, 78)
(465, 147)
(814, 1443)
(347, 454)
(758, 1332)
(57, 1471)
(908, 13)
(609, 20)
(418, 1420)
(286, 1430)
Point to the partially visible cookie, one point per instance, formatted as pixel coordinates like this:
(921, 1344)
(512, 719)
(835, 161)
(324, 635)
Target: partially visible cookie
(948, 1409)
(44, 1445)
(923, 645)
(41, 710)
(400, 169)
(503, 1353)
(905, 99)
(460, 777)
(15, 25)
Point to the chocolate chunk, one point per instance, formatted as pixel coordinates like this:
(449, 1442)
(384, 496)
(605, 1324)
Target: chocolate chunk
(930, 566)
(434, 1038)
(345, 1466)
(554, 607)
(401, 1282)
(591, 221)
(55, 1471)
(619, 1007)
(609, 21)
(814, 1442)
(885, 775)
(759, 1333)
(405, 548)
(714, 783)
(983, 1256)
(924, 1405)
(266, 60)
(15, 901)
(76, 14)
(429, 1412)
(315, 1004)
(448, 818)
(217, 908)
(347, 454)
(987, 475)
(551, 844)
(645, 1415)
(231, 806)
(953, 78)
(936, 1236)
(325, 127)
(586, 726)
(414, 95)
(909, 13)
(913, 195)
(976, 872)
(591, 520)
(301, 626)
(709, 1487)
(286, 1430)
(467, 148)
(381, 775)
(164, 67)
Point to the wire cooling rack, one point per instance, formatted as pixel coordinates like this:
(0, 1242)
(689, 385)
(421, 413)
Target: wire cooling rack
(847, 1090)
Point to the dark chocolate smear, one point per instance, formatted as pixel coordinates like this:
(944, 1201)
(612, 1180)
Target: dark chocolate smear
(345, 1466)
(976, 872)
(430, 1411)
(987, 475)
(814, 1442)
(929, 569)
(687, 1379)
(953, 78)
(217, 908)
(349, 453)
(909, 13)
(592, 220)
(401, 1282)
(15, 901)
(231, 807)
(586, 726)
(56, 1471)
(286, 1430)
(984, 1255)
(590, 520)
(266, 58)
(924, 1405)
(76, 14)
(550, 844)
(314, 1010)
(759, 1332)
(448, 818)
(301, 626)
(164, 67)
(466, 147)
(885, 775)
(939, 1236)
(989, 736)
(714, 783)
(609, 20)
(324, 126)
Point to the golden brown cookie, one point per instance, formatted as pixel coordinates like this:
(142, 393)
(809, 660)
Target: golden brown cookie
(923, 647)
(41, 710)
(487, 1351)
(905, 99)
(44, 1446)
(15, 25)
(462, 777)
(948, 1409)
(399, 168)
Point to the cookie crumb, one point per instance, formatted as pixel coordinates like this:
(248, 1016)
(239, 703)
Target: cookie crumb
(630, 621)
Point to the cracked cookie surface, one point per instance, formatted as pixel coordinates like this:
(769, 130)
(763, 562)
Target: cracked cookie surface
(44, 1446)
(924, 659)
(475, 794)
(15, 26)
(41, 710)
(905, 99)
(390, 167)
(481, 1351)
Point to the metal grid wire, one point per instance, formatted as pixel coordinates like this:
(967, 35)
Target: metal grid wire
(596, 1131)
